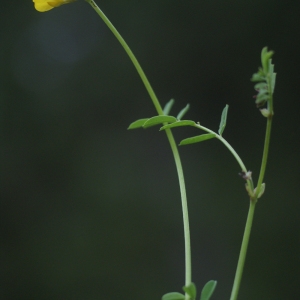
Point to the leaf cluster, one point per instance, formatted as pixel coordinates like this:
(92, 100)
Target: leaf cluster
(191, 292)
(264, 84)
(169, 122)
(265, 78)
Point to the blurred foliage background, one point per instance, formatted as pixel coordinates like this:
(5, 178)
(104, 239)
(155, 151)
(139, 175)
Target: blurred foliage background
(90, 210)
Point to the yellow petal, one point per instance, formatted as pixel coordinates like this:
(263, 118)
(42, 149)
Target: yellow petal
(57, 3)
(42, 5)
(45, 5)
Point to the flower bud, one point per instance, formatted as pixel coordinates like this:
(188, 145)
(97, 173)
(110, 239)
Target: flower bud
(265, 112)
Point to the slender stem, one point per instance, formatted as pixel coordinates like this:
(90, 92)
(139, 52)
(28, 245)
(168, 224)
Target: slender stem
(188, 267)
(265, 156)
(247, 231)
(253, 200)
(130, 54)
(187, 239)
(229, 147)
(267, 139)
(243, 252)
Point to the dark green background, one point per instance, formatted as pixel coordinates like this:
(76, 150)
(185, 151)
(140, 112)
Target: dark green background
(90, 210)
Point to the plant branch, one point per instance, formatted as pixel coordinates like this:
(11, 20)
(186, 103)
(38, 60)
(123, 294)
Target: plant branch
(266, 144)
(188, 271)
(229, 147)
(253, 200)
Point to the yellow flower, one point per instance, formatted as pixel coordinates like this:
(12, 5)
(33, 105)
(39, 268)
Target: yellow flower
(45, 5)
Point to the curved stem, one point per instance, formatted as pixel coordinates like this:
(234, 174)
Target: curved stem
(130, 54)
(188, 267)
(227, 145)
(233, 152)
(186, 227)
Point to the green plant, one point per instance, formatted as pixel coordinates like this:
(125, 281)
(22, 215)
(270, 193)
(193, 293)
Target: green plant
(265, 84)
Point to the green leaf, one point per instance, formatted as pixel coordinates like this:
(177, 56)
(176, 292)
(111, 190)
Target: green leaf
(263, 53)
(265, 112)
(271, 66)
(272, 75)
(191, 290)
(257, 77)
(265, 57)
(273, 81)
(173, 296)
(208, 290)
(223, 119)
(168, 106)
(261, 86)
(183, 112)
(197, 139)
(261, 99)
(137, 124)
(261, 191)
(159, 120)
(262, 92)
(179, 123)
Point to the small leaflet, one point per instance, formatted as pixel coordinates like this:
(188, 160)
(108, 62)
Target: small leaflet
(173, 296)
(137, 124)
(178, 123)
(223, 119)
(183, 112)
(159, 120)
(191, 290)
(197, 139)
(168, 107)
(208, 290)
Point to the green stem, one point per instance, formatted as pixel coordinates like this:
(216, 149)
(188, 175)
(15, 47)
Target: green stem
(188, 260)
(246, 237)
(229, 147)
(188, 267)
(247, 231)
(243, 252)
(265, 156)
(267, 139)
(130, 54)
